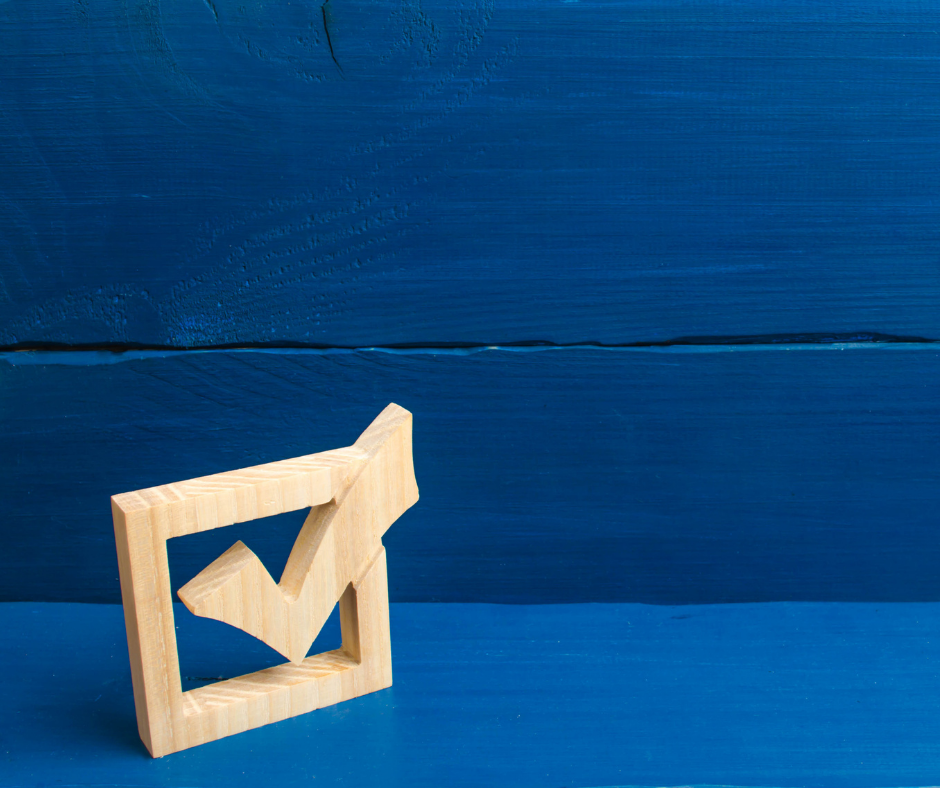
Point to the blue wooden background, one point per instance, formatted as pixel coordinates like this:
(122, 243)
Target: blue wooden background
(593, 474)
(659, 280)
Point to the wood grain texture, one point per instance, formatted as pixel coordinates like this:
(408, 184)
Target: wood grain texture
(549, 475)
(792, 694)
(369, 172)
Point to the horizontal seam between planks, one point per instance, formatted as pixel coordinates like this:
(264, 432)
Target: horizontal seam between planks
(798, 338)
(93, 355)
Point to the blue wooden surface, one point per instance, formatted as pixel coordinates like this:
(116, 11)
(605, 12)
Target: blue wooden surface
(790, 694)
(206, 172)
(555, 475)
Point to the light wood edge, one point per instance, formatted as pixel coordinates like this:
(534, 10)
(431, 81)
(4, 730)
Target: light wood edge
(247, 494)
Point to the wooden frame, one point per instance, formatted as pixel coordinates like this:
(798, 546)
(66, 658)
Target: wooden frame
(355, 494)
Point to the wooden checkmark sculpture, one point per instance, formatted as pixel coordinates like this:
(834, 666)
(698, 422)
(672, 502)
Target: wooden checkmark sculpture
(336, 546)
(355, 494)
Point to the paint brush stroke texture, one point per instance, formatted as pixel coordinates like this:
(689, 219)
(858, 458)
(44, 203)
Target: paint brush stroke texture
(670, 475)
(379, 172)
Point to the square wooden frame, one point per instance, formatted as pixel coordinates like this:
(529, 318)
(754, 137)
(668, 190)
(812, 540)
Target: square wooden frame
(168, 718)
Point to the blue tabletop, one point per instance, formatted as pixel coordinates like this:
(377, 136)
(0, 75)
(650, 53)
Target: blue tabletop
(786, 694)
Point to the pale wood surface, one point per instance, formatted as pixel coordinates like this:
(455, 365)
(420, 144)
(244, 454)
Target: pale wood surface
(356, 494)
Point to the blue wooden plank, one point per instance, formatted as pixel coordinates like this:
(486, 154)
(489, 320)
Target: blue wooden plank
(366, 172)
(788, 694)
(671, 475)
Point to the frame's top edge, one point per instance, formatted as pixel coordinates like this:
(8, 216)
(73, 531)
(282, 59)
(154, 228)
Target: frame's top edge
(327, 461)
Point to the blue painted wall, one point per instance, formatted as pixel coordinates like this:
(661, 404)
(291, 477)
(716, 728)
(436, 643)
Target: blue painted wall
(353, 174)
(209, 171)
(673, 475)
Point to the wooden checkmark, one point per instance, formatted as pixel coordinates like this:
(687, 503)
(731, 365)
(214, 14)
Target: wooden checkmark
(373, 484)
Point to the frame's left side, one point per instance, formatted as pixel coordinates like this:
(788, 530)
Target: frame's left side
(151, 634)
